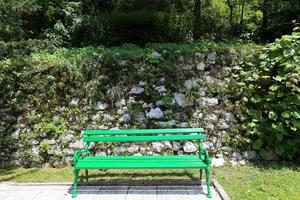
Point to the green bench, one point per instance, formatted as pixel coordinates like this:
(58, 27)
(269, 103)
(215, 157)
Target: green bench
(83, 159)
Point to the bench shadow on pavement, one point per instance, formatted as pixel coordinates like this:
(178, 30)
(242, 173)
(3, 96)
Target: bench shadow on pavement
(115, 187)
(119, 186)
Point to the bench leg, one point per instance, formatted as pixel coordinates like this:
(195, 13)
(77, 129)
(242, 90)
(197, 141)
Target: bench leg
(207, 173)
(87, 175)
(75, 173)
(201, 172)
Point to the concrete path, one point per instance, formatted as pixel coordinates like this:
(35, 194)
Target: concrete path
(60, 192)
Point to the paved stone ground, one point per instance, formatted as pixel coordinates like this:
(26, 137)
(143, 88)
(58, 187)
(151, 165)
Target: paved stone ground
(61, 192)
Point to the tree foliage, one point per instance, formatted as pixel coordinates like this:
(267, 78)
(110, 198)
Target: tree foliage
(86, 22)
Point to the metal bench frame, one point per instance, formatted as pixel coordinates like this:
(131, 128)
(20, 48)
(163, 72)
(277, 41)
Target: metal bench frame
(83, 160)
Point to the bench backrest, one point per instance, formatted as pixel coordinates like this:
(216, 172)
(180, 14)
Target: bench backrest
(136, 135)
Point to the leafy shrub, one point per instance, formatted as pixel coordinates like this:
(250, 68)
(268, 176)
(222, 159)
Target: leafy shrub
(25, 157)
(270, 97)
(24, 47)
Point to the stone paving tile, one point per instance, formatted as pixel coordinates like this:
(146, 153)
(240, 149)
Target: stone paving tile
(113, 192)
(23, 195)
(63, 192)
(142, 193)
(54, 195)
(199, 193)
(4, 194)
(171, 193)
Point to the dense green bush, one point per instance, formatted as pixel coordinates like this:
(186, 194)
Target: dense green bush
(24, 47)
(270, 97)
(117, 28)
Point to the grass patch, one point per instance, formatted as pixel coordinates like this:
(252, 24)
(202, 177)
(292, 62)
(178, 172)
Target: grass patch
(254, 181)
(261, 181)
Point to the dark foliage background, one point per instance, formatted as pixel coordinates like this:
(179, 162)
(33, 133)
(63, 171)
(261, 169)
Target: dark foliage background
(87, 22)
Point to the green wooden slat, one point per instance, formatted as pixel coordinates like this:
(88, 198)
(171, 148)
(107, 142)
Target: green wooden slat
(121, 158)
(139, 159)
(142, 138)
(138, 165)
(143, 131)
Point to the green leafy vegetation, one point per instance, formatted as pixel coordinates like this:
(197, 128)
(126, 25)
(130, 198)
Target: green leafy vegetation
(270, 97)
(85, 22)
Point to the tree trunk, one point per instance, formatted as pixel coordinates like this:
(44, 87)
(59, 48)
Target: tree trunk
(265, 19)
(231, 12)
(198, 17)
(197, 10)
(242, 16)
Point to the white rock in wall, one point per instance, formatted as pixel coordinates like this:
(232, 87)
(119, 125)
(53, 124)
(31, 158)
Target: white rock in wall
(229, 117)
(131, 100)
(242, 162)
(35, 151)
(142, 83)
(161, 89)
(123, 63)
(183, 125)
(74, 102)
(86, 108)
(209, 78)
(100, 153)
(207, 145)
(67, 138)
(236, 155)
(170, 123)
(133, 149)
(120, 112)
(51, 142)
(157, 146)
(159, 103)
(233, 162)
(201, 66)
(206, 101)
(218, 162)
(67, 160)
(118, 150)
(176, 146)
(16, 134)
(222, 125)
(120, 103)
(125, 118)
(77, 145)
(92, 145)
(212, 57)
(155, 54)
(56, 118)
(95, 117)
(209, 126)
(250, 155)
(155, 113)
(212, 117)
(188, 84)
(108, 117)
(136, 90)
(189, 147)
(167, 144)
(180, 99)
(163, 79)
(68, 151)
(101, 106)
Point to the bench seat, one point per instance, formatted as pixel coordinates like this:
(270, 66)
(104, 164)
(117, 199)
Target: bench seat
(140, 162)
